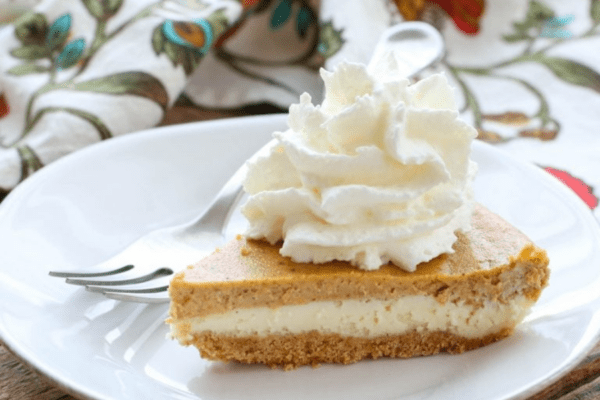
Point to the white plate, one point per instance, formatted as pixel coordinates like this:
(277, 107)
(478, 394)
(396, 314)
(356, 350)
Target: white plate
(84, 207)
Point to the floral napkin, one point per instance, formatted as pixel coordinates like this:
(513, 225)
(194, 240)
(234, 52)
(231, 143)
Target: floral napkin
(530, 83)
(74, 72)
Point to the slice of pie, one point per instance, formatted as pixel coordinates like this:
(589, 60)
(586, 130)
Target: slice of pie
(248, 303)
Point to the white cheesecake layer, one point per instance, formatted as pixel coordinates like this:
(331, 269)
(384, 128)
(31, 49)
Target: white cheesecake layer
(361, 318)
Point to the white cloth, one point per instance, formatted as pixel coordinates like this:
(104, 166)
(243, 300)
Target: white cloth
(528, 79)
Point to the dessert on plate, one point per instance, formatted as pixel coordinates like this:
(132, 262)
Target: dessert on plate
(364, 239)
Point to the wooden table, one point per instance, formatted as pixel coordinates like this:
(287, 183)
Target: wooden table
(19, 382)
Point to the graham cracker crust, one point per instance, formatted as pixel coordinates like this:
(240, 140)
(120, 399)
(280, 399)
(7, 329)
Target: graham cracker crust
(313, 348)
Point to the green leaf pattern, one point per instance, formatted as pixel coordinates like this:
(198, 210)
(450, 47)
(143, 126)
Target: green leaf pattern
(30, 162)
(538, 14)
(133, 83)
(330, 41)
(31, 52)
(31, 28)
(595, 11)
(573, 72)
(26, 69)
(40, 41)
(539, 23)
(102, 9)
(48, 47)
(94, 7)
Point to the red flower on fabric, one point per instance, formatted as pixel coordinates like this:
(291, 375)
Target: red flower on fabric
(583, 190)
(3, 106)
(249, 3)
(466, 14)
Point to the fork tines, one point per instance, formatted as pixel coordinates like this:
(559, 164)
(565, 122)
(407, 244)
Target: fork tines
(60, 274)
(107, 287)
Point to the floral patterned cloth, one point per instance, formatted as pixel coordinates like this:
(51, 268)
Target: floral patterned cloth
(74, 72)
(530, 83)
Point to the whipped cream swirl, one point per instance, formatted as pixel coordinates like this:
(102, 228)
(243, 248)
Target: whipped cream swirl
(379, 172)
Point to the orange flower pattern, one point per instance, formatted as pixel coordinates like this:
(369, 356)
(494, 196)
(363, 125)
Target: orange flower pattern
(466, 14)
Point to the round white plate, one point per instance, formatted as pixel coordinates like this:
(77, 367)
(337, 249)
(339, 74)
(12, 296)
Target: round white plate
(81, 209)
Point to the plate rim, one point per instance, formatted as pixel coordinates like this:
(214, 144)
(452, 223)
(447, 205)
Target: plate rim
(77, 390)
(73, 388)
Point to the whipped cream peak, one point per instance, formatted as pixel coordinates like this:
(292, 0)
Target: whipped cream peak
(379, 172)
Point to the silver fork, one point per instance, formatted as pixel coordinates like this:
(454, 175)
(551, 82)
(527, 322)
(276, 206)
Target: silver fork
(176, 246)
(420, 45)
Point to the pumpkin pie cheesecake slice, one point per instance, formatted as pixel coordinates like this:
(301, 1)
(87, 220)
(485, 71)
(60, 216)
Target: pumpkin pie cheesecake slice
(248, 303)
(364, 238)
